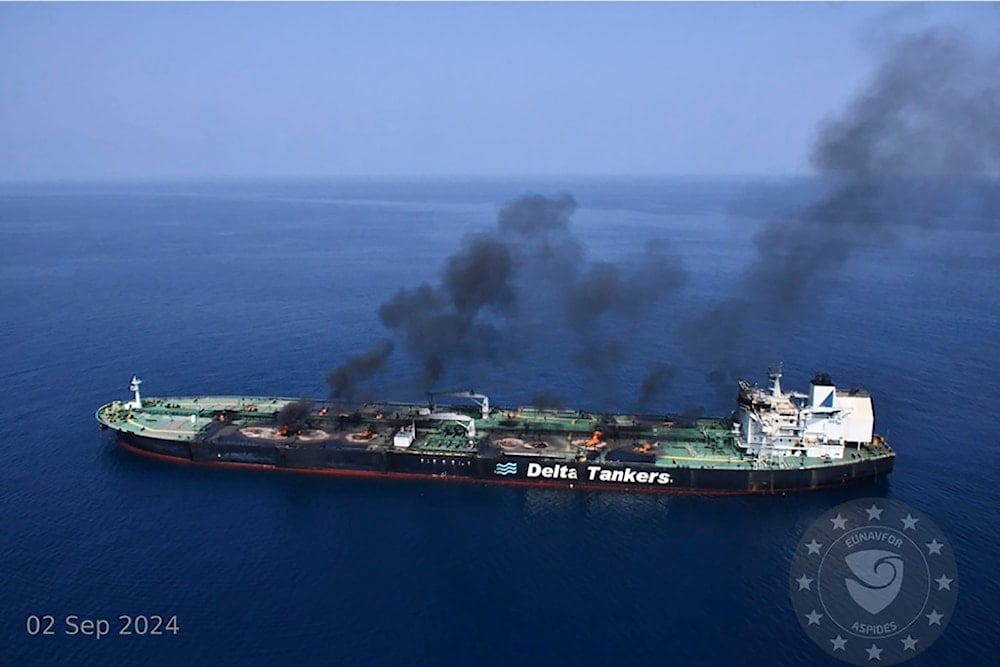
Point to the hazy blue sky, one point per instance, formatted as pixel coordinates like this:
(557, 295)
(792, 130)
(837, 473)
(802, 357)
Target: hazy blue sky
(93, 91)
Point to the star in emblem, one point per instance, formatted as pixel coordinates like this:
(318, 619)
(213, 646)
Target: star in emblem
(874, 653)
(874, 512)
(838, 522)
(804, 582)
(839, 643)
(813, 547)
(934, 618)
(934, 547)
(813, 617)
(909, 523)
(943, 582)
(909, 644)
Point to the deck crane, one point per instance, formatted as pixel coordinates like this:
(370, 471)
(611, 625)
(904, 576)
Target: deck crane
(482, 400)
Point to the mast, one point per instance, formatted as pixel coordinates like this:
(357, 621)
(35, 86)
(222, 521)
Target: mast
(775, 377)
(134, 388)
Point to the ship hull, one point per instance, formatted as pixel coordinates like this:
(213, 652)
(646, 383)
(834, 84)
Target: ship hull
(635, 477)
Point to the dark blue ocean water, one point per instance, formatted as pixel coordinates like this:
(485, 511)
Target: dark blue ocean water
(262, 287)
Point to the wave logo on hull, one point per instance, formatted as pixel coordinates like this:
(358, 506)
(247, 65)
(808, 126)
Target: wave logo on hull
(505, 468)
(881, 574)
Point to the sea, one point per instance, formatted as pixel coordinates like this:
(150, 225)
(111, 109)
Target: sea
(262, 287)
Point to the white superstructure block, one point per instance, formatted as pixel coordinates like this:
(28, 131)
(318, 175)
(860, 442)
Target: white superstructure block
(405, 436)
(776, 423)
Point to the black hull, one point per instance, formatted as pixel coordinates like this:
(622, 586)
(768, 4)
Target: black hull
(583, 475)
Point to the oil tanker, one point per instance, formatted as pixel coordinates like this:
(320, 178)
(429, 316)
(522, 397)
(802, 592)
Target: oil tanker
(775, 441)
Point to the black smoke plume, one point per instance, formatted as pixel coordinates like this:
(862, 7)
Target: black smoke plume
(525, 274)
(657, 382)
(919, 145)
(689, 418)
(295, 415)
(624, 289)
(345, 379)
(545, 399)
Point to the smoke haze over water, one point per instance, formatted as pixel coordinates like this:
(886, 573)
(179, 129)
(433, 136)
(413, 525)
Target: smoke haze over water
(920, 144)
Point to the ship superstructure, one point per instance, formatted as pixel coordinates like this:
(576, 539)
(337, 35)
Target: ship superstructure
(773, 424)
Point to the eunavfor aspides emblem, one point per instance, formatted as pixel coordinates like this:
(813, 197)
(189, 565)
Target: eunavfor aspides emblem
(874, 581)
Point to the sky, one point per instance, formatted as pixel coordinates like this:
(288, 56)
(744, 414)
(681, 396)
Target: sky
(196, 90)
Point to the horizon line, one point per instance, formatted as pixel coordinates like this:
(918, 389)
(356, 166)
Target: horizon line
(138, 180)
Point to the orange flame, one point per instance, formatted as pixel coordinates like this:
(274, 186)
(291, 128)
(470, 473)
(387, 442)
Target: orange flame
(595, 439)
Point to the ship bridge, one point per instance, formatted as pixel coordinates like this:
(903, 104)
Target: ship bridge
(773, 423)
